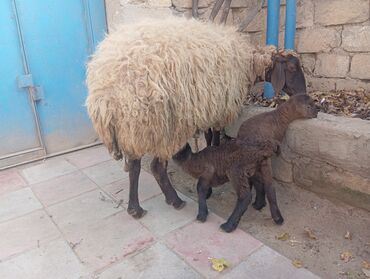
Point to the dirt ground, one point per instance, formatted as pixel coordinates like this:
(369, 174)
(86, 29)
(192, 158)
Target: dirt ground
(328, 220)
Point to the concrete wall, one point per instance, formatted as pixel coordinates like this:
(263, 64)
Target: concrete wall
(329, 155)
(333, 36)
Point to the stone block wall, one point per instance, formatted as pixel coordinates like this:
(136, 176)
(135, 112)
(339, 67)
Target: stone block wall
(333, 36)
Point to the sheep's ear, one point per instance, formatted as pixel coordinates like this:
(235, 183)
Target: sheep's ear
(278, 75)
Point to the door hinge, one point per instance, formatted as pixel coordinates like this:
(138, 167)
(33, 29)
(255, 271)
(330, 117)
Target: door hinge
(26, 81)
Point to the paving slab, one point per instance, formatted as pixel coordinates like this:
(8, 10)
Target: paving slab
(62, 188)
(26, 232)
(108, 240)
(163, 218)
(10, 180)
(198, 242)
(18, 203)
(106, 172)
(156, 262)
(48, 169)
(148, 188)
(265, 263)
(53, 260)
(85, 209)
(88, 157)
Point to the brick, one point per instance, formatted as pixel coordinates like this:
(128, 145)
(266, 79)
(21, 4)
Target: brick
(259, 22)
(320, 84)
(229, 20)
(331, 65)
(197, 242)
(10, 180)
(46, 170)
(156, 262)
(352, 84)
(259, 39)
(334, 12)
(313, 40)
(62, 188)
(53, 260)
(26, 232)
(163, 218)
(18, 203)
(278, 267)
(159, 3)
(106, 172)
(360, 66)
(148, 188)
(282, 170)
(187, 3)
(88, 157)
(305, 10)
(308, 62)
(356, 38)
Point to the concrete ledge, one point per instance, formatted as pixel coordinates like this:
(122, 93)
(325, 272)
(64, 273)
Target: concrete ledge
(329, 155)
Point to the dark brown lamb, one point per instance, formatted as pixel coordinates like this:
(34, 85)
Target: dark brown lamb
(272, 126)
(236, 161)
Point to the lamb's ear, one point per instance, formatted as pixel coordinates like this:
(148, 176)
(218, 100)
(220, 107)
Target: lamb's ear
(278, 74)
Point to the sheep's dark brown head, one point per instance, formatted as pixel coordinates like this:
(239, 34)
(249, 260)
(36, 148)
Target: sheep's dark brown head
(286, 74)
(304, 106)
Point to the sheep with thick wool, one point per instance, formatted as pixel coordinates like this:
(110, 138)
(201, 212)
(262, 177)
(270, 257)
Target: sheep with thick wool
(153, 84)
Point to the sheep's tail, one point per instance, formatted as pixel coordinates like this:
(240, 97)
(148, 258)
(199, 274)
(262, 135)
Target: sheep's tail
(99, 108)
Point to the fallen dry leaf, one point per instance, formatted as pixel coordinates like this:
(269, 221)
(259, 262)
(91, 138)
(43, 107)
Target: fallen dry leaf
(219, 264)
(284, 236)
(348, 235)
(346, 256)
(297, 263)
(365, 265)
(310, 233)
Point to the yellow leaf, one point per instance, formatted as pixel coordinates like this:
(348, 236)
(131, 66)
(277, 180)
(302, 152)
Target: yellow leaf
(310, 233)
(219, 264)
(346, 256)
(365, 265)
(297, 263)
(348, 235)
(284, 236)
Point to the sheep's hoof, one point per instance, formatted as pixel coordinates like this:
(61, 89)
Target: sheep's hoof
(279, 221)
(179, 204)
(227, 227)
(259, 206)
(137, 213)
(202, 217)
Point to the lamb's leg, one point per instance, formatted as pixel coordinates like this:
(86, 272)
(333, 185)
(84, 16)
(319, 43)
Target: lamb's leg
(266, 172)
(159, 170)
(134, 208)
(202, 188)
(260, 201)
(216, 137)
(208, 135)
(241, 185)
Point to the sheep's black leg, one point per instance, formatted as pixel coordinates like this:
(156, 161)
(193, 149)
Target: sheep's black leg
(260, 201)
(202, 189)
(159, 170)
(216, 137)
(270, 192)
(134, 208)
(208, 135)
(242, 188)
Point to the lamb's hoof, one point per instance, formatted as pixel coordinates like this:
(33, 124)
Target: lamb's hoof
(137, 213)
(228, 227)
(258, 206)
(279, 221)
(209, 193)
(177, 204)
(202, 217)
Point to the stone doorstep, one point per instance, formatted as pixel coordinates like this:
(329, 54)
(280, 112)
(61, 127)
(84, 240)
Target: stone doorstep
(327, 155)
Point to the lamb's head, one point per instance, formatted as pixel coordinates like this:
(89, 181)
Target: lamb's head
(303, 105)
(286, 74)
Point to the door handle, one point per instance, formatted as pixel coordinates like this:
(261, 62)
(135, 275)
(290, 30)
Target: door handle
(26, 81)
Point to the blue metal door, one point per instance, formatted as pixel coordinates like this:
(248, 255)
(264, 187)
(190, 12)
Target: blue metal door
(44, 46)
